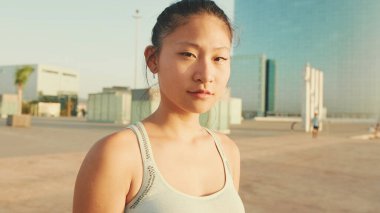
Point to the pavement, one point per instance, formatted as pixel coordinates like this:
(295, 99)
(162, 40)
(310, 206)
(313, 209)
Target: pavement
(282, 170)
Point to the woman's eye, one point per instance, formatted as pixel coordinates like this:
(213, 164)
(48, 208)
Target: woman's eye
(187, 54)
(219, 59)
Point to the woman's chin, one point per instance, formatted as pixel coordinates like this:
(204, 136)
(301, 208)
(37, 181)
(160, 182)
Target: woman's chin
(200, 109)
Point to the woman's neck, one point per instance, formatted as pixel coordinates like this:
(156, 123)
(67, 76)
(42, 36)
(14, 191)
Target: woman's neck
(175, 124)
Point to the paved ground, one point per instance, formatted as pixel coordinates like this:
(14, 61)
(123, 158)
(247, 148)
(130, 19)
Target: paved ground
(282, 170)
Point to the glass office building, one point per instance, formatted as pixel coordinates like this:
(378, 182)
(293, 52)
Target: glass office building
(270, 86)
(254, 80)
(247, 83)
(340, 38)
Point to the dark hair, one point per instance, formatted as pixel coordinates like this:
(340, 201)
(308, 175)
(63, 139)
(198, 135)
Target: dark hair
(177, 14)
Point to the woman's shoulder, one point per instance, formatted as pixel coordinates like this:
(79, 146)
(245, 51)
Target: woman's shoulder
(107, 172)
(229, 146)
(115, 153)
(116, 146)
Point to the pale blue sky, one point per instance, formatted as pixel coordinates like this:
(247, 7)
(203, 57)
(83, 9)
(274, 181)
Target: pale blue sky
(95, 38)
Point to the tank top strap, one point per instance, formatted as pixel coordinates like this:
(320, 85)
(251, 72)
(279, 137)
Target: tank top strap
(146, 143)
(220, 148)
(141, 138)
(148, 168)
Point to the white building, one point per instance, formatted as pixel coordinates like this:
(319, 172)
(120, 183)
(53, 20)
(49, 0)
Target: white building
(110, 105)
(44, 81)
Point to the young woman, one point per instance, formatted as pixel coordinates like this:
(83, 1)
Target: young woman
(168, 162)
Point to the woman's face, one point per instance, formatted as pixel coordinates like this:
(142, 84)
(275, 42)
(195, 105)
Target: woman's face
(193, 64)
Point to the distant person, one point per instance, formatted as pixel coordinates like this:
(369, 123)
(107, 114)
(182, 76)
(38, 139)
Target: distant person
(376, 132)
(315, 123)
(168, 162)
(83, 112)
(292, 125)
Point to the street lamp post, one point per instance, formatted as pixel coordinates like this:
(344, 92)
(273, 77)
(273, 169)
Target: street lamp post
(136, 16)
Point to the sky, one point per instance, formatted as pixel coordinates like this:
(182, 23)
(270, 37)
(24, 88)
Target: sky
(95, 38)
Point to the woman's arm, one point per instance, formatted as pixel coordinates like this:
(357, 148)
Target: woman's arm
(105, 175)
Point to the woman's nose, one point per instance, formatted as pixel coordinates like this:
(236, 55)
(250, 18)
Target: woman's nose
(204, 72)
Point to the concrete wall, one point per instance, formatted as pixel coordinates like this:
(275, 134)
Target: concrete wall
(313, 97)
(54, 80)
(114, 107)
(8, 105)
(48, 109)
(235, 108)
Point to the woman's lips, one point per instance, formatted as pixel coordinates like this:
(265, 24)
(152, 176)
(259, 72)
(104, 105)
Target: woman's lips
(201, 93)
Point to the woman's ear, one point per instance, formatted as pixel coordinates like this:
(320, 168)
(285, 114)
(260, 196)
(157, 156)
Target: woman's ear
(151, 58)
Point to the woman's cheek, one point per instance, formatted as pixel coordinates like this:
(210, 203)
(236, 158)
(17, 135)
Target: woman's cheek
(225, 77)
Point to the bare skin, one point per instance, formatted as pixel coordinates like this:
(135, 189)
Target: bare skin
(195, 56)
(314, 133)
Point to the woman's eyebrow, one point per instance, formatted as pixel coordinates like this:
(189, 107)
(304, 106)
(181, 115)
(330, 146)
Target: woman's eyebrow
(187, 43)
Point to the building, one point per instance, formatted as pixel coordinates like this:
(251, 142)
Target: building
(253, 79)
(345, 45)
(44, 81)
(45, 84)
(270, 86)
(111, 105)
(246, 84)
(8, 105)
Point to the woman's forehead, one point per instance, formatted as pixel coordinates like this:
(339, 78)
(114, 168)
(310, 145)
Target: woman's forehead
(200, 30)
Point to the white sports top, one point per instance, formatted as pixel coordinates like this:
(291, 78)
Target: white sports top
(157, 196)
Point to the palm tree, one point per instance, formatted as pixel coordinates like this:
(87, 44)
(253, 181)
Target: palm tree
(21, 77)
